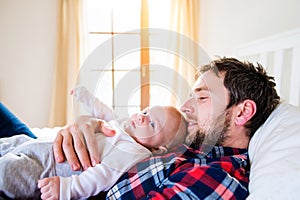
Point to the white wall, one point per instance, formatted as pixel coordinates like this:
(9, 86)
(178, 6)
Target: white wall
(27, 43)
(27, 55)
(227, 24)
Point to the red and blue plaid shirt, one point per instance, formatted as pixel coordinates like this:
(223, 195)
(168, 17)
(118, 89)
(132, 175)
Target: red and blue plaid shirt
(185, 174)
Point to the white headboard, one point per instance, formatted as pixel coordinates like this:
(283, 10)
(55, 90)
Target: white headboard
(280, 55)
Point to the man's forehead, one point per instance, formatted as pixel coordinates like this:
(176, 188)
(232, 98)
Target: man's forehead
(207, 81)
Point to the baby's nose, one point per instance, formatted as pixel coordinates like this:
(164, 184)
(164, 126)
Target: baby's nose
(141, 118)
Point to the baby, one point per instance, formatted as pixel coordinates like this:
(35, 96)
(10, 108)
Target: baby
(24, 161)
(154, 127)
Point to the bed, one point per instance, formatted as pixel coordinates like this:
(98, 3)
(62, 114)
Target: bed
(280, 55)
(274, 151)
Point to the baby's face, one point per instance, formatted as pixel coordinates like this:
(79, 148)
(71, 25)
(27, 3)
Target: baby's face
(154, 126)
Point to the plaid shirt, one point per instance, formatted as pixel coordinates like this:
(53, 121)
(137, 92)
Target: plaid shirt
(185, 174)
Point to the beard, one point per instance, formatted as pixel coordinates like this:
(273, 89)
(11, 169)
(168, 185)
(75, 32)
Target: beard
(215, 136)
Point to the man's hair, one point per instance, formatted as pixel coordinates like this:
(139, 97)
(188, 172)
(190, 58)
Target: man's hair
(244, 81)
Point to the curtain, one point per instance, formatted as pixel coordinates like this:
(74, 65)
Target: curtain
(68, 60)
(185, 20)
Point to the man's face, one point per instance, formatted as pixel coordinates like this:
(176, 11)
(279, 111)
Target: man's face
(208, 119)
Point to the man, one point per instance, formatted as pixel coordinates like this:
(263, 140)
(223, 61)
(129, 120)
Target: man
(230, 101)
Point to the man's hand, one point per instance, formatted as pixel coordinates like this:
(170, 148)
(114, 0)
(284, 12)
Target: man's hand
(77, 144)
(49, 188)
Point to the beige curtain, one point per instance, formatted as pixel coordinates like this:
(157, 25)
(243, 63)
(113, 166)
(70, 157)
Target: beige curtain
(68, 60)
(185, 20)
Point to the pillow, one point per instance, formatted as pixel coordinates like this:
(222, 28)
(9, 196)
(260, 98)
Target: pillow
(274, 153)
(10, 125)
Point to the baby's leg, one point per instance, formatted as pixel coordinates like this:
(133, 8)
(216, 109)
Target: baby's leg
(8, 144)
(18, 176)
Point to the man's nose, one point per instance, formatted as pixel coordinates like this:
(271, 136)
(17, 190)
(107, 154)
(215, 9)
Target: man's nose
(188, 106)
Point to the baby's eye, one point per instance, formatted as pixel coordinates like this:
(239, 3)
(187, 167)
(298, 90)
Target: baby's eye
(151, 123)
(191, 95)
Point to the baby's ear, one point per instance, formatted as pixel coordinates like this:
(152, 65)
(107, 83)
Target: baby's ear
(160, 150)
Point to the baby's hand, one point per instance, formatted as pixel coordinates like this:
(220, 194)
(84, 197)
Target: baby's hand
(79, 91)
(49, 187)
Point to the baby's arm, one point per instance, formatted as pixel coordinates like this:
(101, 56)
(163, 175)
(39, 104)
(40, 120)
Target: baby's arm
(92, 104)
(49, 187)
(114, 162)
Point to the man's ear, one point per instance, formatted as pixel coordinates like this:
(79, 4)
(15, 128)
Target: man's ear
(159, 150)
(245, 112)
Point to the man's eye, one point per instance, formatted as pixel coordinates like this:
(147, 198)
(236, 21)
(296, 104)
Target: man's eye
(202, 98)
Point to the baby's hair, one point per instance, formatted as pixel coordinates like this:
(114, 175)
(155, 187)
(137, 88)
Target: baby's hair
(181, 131)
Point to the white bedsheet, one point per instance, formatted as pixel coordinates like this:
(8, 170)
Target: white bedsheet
(45, 134)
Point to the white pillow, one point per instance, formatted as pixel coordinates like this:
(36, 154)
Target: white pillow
(274, 153)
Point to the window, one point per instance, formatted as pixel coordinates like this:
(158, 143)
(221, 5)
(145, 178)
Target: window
(109, 19)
